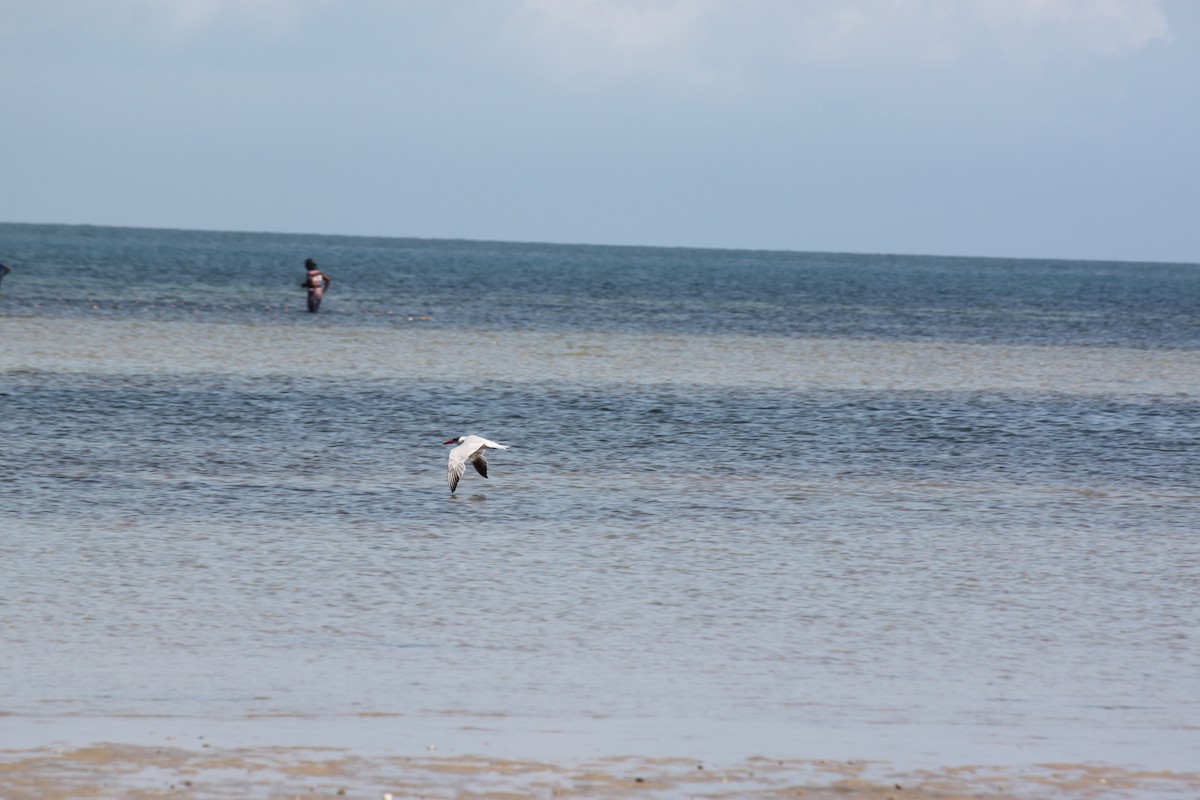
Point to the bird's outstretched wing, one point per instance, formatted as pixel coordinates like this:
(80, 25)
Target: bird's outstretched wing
(480, 463)
(455, 469)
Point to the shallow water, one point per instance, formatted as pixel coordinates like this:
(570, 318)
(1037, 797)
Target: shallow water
(715, 543)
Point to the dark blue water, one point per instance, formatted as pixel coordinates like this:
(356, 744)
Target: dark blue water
(238, 276)
(119, 441)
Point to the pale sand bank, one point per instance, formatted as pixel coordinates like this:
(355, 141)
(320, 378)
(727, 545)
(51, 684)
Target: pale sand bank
(146, 772)
(100, 346)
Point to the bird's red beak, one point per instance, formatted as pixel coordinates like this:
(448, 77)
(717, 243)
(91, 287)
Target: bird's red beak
(450, 441)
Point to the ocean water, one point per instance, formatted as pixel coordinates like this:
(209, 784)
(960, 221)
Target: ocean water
(930, 510)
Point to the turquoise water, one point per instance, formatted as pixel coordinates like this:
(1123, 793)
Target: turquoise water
(784, 504)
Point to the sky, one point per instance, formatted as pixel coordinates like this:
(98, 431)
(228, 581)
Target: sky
(1015, 128)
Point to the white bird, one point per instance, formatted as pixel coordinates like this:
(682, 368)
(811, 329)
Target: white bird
(470, 448)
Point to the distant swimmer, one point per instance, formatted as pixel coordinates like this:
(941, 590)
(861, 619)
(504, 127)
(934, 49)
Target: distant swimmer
(470, 448)
(4, 270)
(316, 282)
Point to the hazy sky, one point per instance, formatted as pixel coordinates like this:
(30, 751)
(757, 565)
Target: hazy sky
(1059, 128)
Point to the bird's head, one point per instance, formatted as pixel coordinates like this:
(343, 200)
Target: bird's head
(456, 440)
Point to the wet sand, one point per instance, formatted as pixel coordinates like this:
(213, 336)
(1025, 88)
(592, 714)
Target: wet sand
(144, 772)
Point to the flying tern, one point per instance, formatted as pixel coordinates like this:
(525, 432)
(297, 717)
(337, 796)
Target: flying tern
(470, 448)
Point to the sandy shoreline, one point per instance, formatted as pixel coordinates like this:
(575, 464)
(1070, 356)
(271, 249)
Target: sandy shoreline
(138, 771)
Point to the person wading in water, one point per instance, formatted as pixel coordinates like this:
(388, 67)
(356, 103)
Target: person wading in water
(316, 282)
